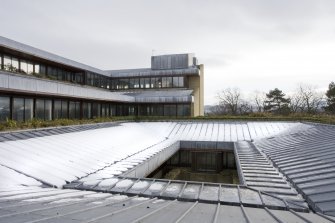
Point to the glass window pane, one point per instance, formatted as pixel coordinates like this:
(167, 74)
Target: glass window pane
(72, 110)
(164, 82)
(43, 70)
(15, 64)
(39, 109)
(181, 81)
(7, 61)
(18, 109)
(37, 69)
(23, 67)
(30, 68)
(96, 109)
(113, 110)
(142, 82)
(87, 113)
(175, 82)
(57, 109)
(28, 109)
(64, 109)
(136, 83)
(169, 82)
(48, 109)
(1, 62)
(4, 108)
(147, 82)
(170, 110)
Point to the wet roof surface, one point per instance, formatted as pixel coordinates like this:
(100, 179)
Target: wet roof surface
(286, 168)
(55, 205)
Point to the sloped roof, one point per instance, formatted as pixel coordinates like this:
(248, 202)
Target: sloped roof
(20, 47)
(283, 166)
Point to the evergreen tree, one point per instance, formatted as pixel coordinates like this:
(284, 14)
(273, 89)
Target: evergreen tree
(276, 102)
(330, 98)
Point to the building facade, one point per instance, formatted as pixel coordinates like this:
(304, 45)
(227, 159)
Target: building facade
(41, 85)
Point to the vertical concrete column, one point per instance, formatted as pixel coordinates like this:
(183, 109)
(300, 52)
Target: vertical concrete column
(196, 83)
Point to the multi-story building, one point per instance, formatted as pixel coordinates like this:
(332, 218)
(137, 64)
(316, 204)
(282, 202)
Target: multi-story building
(38, 84)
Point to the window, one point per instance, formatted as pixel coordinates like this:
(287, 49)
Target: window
(183, 110)
(60, 109)
(74, 109)
(170, 110)
(30, 68)
(96, 110)
(175, 81)
(18, 109)
(57, 109)
(52, 73)
(136, 83)
(113, 110)
(28, 109)
(147, 82)
(22, 109)
(23, 67)
(1, 62)
(87, 110)
(4, 108)
(15, 64)
(7, 63)
(43, 109)
(141, 82)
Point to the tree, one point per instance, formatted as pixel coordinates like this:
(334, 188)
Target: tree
(231, 99)
(259, 100)
(310, 98)
(330, 98)
(276, 101)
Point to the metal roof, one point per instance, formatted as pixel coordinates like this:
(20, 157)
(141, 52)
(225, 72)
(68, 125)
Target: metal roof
(69, 206)
(307, 159)
(283, 165)
(13, 45)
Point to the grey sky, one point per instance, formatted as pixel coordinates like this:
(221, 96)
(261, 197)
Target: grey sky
(249, 44)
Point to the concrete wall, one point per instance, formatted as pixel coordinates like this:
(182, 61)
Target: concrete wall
(10, 82)
(196, 83)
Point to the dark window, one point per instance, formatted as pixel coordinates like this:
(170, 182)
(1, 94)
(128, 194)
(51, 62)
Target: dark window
(87, 110)
(183, 110)
(18, 109)
(57, 109)
(43, 109)
(74, 110)
(4, 108)
(1, 57)
(170, 110)
(28, 109)
(96, 109)
(113, 110)
(64, 109)
(158, 110)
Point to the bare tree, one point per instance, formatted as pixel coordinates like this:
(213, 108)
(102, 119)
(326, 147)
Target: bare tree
(230, 98)
(311, 98)
(259, 100)
(296, 103)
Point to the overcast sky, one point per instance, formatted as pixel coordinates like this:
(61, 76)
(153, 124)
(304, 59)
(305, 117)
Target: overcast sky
(249, 44)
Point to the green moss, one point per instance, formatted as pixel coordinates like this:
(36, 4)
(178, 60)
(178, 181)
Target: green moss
(10, 125)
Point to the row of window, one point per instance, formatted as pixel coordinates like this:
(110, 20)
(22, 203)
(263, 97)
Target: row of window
(147, 82)
(14, 64)
(24, 109)
(19, 65)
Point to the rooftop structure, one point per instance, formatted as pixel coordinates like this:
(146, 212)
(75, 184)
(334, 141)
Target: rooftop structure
(284, 170)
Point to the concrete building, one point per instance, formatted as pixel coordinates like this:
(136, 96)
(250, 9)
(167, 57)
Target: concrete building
(38, 84)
